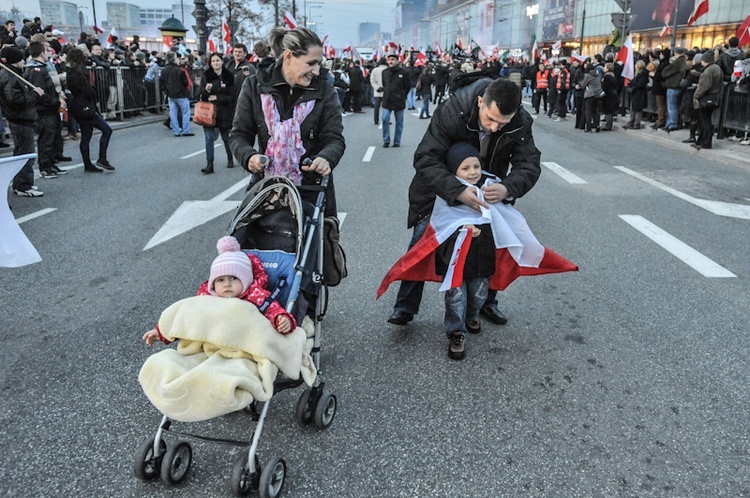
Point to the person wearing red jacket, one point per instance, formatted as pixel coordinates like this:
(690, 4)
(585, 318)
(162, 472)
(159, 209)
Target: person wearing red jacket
(240, 275)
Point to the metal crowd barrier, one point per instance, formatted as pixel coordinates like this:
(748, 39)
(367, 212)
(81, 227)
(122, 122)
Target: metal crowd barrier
(124, 90)
(734, 111)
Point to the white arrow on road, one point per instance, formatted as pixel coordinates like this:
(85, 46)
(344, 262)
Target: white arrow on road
(720, 208)
(195, 213)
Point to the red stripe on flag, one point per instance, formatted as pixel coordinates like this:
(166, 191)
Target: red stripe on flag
(701, 8)
(418, 264)
(507, 270)
(744, 32)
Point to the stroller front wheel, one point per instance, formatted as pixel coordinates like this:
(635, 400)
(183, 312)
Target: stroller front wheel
(176, 463)
(304, 412)
(325, 410)
(146, 465)
(272, 478)
(243, 481)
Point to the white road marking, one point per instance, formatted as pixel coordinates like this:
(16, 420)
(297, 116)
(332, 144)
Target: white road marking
(191, 214)
(341, 216)
(414, 114)
(563, 173)
(36, 214)
(368, 154)
(720, 208)
(203, 151)
(677, 248)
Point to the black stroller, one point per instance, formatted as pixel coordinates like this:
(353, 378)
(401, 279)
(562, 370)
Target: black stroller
(285, 233)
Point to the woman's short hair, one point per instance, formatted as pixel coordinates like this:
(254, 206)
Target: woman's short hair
(640, 64)
(609, 66)
(297, 40)
(217, 54)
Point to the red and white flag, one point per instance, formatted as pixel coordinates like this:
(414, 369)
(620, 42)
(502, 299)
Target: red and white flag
(393, 45)
(289, 20)
(701, 8)
(744, 32)
(226, 36)
(576, 56)
(438, 50)
(420, 58)
(666, 30)
(518, 252)
(534, 51)
(112, 36)
(557, 45)
(355, 54)
(211, 45)
(626, 56)
(330, 52)
(98, 30)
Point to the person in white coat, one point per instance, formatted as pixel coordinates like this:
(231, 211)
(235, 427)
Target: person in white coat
(376, 80)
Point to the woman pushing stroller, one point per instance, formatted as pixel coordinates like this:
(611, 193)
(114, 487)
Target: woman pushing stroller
(294, 113)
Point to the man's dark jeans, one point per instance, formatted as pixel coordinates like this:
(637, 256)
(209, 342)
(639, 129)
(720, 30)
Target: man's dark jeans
(23, 138)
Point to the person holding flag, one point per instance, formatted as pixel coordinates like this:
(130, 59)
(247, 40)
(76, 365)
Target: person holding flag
(488, 114)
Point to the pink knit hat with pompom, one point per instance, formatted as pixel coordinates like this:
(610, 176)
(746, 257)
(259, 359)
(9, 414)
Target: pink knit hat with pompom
(230, 261)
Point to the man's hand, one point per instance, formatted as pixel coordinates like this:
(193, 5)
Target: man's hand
(209, 86)
(495, 192)
(257, 163)
(38, 91)
(319, 165)
(469, 197)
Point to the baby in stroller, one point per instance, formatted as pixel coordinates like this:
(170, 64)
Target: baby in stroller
(236, 274)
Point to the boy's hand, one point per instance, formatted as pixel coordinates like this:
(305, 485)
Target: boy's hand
(283, 325)
(151, 337)
(474, 230)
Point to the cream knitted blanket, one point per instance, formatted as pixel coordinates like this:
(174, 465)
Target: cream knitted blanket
(228, 354)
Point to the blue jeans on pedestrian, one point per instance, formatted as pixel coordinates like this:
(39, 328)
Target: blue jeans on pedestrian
(425, 111)
(87, 130)
(673, 107)
(527, 88)
(181, 106)
(463, 303)
(210, 136)
(411, 98)
(386, 119)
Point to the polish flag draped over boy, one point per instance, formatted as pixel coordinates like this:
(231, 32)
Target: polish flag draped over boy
(518, 253)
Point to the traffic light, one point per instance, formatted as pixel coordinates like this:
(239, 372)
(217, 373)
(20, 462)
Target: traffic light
(623, 20)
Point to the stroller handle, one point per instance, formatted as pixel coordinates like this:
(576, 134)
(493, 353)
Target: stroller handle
(255, 177)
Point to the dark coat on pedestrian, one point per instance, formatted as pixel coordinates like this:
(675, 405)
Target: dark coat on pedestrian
(610, 100)
(174, 82)
(17, 100)
(457, 120)
(413, 73)
(674, 72)
(396, 86)
(639, 91)
(223, 87)
(425, 81)
(84, 96)
(49, 103)
(356, 79)
(321, 132)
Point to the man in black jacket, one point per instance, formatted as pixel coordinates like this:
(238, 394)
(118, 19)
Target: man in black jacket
(48, 125)
(487, 114)
(19, 107)
(175, 83)
(395, 88)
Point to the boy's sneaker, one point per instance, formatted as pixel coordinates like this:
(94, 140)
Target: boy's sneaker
(59, 171)
(473, 326)
(456, 346)
(48, 174)
(31, 192)
(558, 119)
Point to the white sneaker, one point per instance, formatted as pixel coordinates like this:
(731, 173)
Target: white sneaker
(31, 192)
(745, 142)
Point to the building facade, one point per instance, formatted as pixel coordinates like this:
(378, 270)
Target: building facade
(581, 25)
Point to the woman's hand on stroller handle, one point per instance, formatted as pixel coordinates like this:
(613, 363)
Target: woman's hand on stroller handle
(318, 165)
(257, 163)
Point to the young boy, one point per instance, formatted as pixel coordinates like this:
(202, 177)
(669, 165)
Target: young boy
(462, 304)
(240, 275)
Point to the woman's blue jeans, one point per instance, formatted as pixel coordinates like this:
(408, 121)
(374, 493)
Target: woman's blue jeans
(87, 129)
(210, 135)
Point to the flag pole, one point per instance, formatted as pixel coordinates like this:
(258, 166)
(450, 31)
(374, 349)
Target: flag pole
(30, 85)
(674, 25)
(583, 23)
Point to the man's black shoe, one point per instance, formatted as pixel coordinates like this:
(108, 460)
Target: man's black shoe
(64, 159)
(400, 318)
(494, 315)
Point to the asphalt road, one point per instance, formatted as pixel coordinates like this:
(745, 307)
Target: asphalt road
(627, 378)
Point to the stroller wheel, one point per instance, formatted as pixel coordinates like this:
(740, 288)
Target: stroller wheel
(304, 411)
(176, 463)
(243, 481)
(325, 410)
(272, 478)
(146, 465)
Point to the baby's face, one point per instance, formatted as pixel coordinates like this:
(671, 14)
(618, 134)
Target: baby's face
(470, 170)
(228, 286)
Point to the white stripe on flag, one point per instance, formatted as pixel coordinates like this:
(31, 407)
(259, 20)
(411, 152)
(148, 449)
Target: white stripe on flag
(450, 274)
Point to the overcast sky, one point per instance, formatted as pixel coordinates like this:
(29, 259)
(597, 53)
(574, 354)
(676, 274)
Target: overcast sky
(339, 18)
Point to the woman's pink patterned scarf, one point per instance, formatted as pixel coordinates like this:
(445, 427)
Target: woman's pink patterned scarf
(284, 149)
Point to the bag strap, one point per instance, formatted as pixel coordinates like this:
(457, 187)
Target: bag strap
(272, 296)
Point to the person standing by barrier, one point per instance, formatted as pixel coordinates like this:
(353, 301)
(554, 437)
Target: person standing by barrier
(638, 89)
(592, 87)
(709, 83)
(48, 123)
(673, 74)
(83, 109)
(219, 89)
(175, 83)
(19, 103)
(610, 99)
